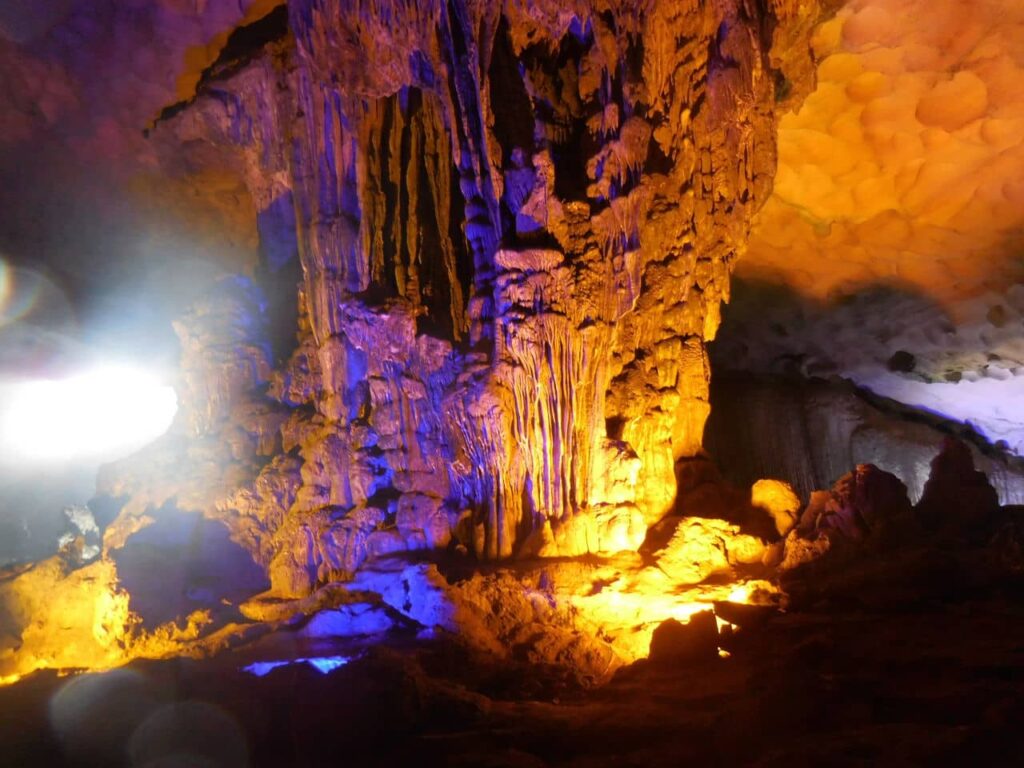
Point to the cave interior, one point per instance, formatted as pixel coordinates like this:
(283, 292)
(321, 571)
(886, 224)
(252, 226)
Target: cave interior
(511, 382)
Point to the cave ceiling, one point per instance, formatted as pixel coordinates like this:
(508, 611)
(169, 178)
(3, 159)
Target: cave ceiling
(891, 249)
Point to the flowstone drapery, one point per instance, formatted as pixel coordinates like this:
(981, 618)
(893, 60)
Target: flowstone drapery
(516, 224)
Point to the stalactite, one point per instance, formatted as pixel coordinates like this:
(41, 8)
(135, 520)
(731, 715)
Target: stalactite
(516, 224)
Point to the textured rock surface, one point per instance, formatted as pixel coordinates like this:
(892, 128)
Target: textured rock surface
(905, 164)
(779, 500)
(894, 228)
(516, 225)
(959, 361)
(809, 432)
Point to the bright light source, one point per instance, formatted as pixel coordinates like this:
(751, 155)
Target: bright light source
(103, 414)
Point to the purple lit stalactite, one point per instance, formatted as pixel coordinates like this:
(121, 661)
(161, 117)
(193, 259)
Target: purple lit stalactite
(515, 230)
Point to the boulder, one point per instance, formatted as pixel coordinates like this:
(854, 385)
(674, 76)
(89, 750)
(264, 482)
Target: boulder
(865, 509)
(956, 496)
(695, 641)
(863, 505)
(701, 547)
(779, 500)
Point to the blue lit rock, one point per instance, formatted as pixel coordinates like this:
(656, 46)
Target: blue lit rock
(487, 320)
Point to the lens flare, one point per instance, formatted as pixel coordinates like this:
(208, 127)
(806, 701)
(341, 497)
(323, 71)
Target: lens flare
(5, 285)
(102, 414)
(30, 294)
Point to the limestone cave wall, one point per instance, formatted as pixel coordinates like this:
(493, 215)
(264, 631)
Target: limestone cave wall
(516, 224)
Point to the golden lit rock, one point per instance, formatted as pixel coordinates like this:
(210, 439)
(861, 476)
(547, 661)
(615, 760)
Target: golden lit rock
(779, 500)
(700, 548)
(902, 164)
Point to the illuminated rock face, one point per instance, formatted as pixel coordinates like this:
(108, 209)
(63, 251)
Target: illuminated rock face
(895, 220)
(516, 226)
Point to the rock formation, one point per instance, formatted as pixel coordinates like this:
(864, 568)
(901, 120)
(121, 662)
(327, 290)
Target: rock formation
(516, 224)
(811, 431)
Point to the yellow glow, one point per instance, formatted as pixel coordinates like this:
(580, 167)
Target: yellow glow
(627, 611)
(82, 620)
(740, 594)
(906, 160)
(101, 414)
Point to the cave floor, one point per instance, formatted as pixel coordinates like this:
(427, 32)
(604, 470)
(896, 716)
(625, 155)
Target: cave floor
(936, 684)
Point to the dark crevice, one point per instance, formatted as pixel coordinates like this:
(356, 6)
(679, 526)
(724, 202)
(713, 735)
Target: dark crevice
(413, 240)
(435, 283)
(389, 190)
(243, 45)
(412, 122)
(614, 427)
(717, 59)
(464, 270)
(657, 161)
(280, 288)
(634, 59)
(570, 159)
(783, 87)
(513, 112)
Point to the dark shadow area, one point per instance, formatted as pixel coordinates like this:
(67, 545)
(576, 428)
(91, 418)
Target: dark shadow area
(513, 111)
(873, 687)
(279, 273)
(781, 409)
(31, 509)
(769, 327)
(182, 563)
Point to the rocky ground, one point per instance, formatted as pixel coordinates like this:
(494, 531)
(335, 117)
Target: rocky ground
(935, 685)
(913, 657)
(890, 633)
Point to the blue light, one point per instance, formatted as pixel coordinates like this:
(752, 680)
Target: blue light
(261, 668)
(325, 664)
(322, 664)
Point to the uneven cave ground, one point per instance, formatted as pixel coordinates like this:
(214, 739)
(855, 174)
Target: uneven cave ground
(934, 683)
(901, 650)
